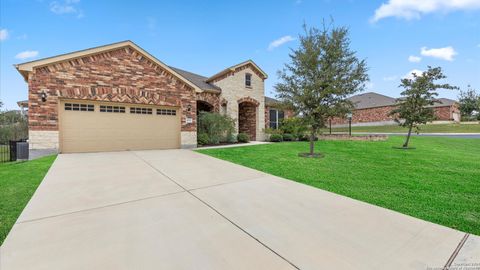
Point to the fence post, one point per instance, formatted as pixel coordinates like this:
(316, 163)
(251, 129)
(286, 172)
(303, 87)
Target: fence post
(13, 150)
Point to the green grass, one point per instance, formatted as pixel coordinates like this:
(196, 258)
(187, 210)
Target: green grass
(431, 128)
(439, 181)
(18, 182)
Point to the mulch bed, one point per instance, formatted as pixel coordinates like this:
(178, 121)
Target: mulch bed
(346, 137)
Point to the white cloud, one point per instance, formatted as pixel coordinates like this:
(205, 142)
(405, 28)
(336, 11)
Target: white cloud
(414, 59)
(24, 36)
(409, 75)
(414, 9)
(66, 7)
(390, 78)
(26, 54)
(3, 34)
(279, 42)
(369, 86)
(446, 53)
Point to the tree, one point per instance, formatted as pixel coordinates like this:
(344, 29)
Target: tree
(469, 102)
(414, 106)
(322, 73)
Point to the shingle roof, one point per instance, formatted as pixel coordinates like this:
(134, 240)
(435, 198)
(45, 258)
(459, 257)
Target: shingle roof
(371, 100)
(444, 102)
(198, 80)
(271, 101)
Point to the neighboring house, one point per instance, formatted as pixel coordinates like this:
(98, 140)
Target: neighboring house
(373, 109)
(119, 97)
(274, 113)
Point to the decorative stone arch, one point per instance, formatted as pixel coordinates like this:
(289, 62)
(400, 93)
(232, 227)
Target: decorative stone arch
(207, 99)
(249, 100)
(248, 116)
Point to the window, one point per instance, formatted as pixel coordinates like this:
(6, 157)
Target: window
(137, 110)
(79, 107)
(114, 109)
(276, 118)
(224, 109)
(166, 112)
(248, 80)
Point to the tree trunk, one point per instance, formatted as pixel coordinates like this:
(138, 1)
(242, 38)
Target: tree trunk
(312, 142)
(405, 145)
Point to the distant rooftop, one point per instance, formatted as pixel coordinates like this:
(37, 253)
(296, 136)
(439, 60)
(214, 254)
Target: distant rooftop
(373, 100)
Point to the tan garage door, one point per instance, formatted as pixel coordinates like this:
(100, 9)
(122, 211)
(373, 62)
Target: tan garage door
(93, 127)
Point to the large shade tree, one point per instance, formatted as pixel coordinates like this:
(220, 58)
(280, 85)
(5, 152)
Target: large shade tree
(469, 102)
(416, 101)
(322, 73)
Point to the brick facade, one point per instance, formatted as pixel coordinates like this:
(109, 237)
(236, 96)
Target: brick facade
(445, 112)
(247, 115)
(211, 98)
(381, 114)
(121, 75)
(287, 114)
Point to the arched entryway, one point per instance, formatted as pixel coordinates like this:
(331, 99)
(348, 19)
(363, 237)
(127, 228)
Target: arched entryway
(203, 106)
(247, 117)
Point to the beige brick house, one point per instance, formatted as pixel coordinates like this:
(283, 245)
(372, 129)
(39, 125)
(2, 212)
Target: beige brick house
(120, 97)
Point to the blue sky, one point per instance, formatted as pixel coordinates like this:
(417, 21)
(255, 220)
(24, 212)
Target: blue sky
(395, 36)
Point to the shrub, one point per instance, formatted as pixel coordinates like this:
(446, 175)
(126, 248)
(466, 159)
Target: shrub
(242, 137)
(276, 138)
(13, 126)
(294, 126)
(219, 128)
(288, 137)
(271, 131)
(202, 139)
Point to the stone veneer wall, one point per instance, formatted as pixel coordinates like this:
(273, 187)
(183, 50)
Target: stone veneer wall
(233, 90)
(121, 75)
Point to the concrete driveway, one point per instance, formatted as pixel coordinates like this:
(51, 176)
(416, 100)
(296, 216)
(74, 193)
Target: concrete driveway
(177, 209)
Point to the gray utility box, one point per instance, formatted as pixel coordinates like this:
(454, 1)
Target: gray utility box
(22, 150)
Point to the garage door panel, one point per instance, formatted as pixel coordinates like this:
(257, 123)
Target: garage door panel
(87, 131)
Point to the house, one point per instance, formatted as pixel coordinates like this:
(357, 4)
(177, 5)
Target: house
(120, 97)
(373, 109)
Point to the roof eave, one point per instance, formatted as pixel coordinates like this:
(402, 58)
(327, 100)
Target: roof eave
(27, 67)
(232, 68)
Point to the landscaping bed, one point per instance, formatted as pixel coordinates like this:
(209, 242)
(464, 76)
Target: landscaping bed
(437, 181)
(429, 128)
(346, 137)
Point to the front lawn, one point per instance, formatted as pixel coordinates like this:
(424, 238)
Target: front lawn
(430, 128)
(439, 181)
(18, 182)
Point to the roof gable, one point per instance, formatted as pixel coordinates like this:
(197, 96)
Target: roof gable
(27, 67)
(220, 75)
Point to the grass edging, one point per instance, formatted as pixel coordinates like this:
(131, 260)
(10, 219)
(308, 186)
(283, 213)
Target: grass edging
(18, 182)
